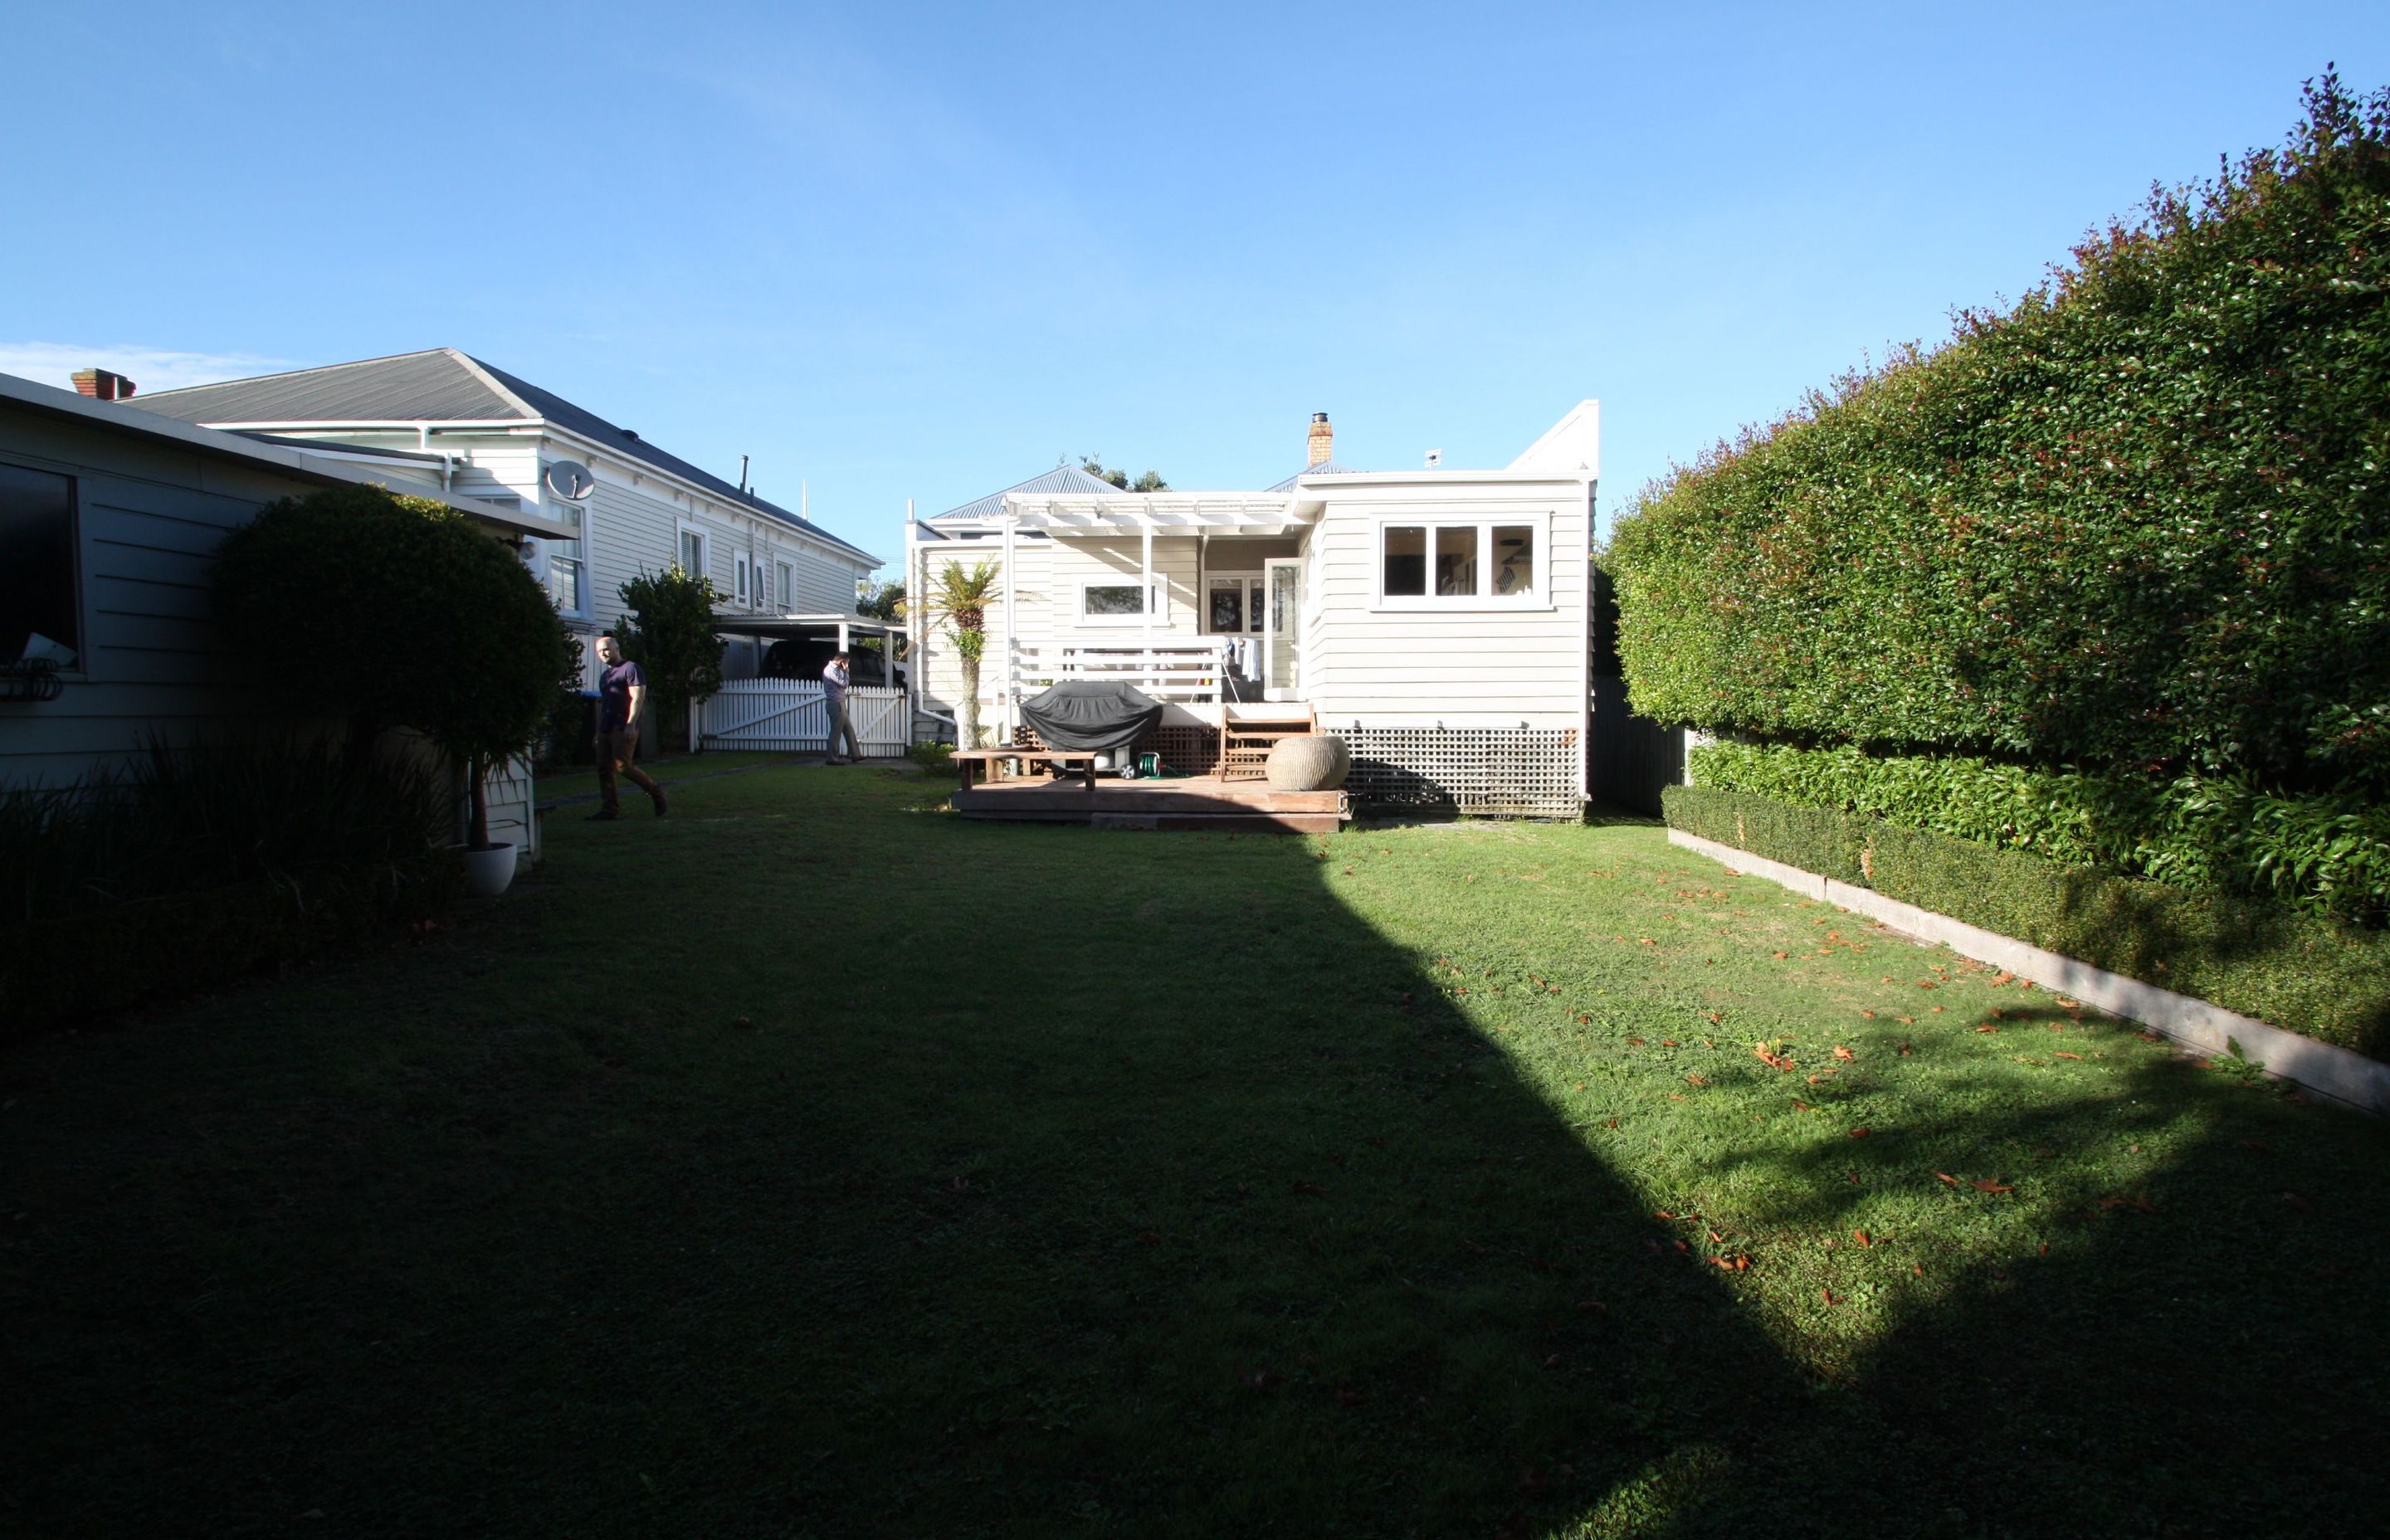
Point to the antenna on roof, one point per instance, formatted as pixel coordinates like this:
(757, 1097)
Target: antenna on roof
(804, 499)
(742, 476)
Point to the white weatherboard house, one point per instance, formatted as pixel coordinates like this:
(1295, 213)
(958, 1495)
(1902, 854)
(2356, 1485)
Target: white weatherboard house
(1436, 620)
(109, 520)
(441, 419)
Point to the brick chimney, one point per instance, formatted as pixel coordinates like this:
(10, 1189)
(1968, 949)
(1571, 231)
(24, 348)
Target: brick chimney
(1323, 439)
(104, 385)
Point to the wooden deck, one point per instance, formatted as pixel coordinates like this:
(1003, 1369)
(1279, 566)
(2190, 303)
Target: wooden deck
(1199, 801)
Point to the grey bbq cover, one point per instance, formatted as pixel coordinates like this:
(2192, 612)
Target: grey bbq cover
(1086, 714)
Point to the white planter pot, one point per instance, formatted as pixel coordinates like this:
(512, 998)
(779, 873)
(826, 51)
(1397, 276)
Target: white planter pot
(488, 872)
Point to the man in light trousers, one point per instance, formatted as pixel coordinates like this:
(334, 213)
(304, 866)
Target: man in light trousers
(834, 684)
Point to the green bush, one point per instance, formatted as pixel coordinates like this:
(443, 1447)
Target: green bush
(2325, 852)
(398, 611)
(2298, 971)
(933, 757)
(669, 633)
(192, 868)
(2134, 524)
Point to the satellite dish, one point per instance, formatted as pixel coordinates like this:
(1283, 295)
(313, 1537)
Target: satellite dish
(570, 479)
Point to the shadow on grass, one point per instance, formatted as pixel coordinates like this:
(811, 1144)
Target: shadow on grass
(946, 1180)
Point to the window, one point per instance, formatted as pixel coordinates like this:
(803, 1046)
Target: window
(1112, 603)
(1406, 561)
(39, 608)
(787, 573)
(1232, 604)
(566, 584)
(692, 551)
(1449, 563)
(741, 569)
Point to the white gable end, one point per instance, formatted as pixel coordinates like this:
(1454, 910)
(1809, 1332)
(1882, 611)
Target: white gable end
(1572, 447)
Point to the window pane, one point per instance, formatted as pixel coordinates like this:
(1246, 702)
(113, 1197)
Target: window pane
(1253, 608)
(1124, 599)
(1406, 561)
(37, 561)
(564, 584)
(1227, 609)
(787, 585)
(692, 554)
(1456, 562)
(1514, 558)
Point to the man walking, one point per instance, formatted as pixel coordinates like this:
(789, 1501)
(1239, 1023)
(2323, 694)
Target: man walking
(834, 683)
(621, 691)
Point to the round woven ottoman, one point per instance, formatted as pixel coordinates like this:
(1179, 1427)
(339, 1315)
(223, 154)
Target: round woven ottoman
(1315, 762)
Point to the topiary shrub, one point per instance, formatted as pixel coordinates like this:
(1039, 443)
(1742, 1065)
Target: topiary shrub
(396, 613)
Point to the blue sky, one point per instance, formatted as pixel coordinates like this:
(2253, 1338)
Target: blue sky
(906, 251)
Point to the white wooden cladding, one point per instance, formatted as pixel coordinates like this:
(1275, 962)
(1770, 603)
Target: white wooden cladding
(789, 715)
(1182, 670)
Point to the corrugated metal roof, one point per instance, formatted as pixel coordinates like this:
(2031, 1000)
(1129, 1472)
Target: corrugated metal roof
(439, 384)
(1328, 468)
(1062, 478)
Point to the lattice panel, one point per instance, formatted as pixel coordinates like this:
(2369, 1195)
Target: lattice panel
(1491, 772)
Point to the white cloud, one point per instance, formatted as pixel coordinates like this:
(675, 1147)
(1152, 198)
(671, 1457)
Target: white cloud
(150, 368)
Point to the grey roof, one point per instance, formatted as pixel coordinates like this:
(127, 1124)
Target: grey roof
(1062, 478)
(437, 385)
(1327, 469)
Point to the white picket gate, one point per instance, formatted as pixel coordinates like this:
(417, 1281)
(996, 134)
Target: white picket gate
(789, 715)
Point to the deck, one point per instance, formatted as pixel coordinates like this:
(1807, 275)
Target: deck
(1193, 802)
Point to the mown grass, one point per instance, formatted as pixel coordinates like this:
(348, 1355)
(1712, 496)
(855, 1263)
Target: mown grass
(810, 1163)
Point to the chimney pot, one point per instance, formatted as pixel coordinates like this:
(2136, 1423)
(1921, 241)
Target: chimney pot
(1323, 439)
(104, 385)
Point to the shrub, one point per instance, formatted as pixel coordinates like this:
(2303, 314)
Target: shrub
(2135, 524)
(933, 757)
(2321, 851)
(191, 868)
(400, 612)
(2299, 971)
(669, 633)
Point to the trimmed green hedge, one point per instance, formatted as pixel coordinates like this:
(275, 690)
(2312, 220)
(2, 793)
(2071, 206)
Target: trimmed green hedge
(2140, 522)
(2297, 972)
(2326, 854)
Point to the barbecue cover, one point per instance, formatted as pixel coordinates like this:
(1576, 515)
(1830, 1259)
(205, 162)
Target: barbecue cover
(1086, 714)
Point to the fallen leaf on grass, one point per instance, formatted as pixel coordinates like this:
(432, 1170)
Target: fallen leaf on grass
(1844, 1053)
(1869, 1014)
(2002, 977)
(1987, 1027)
(1861, 1237)
(1800, 1106)
(1917, 1269)
(1986, 1184)
(2149, 1037)
(1947, 1178)
(1634, 1041)
(1830, 1296)
(1782, 956)
(2063, 1054)
(1859, 1133)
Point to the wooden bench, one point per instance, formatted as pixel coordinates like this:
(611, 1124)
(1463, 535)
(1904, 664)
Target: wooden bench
(992, 759)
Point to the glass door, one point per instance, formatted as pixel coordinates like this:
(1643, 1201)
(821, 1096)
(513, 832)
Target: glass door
(1282, 641)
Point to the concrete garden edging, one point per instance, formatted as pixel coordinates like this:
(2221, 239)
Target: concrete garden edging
(2325, 1068)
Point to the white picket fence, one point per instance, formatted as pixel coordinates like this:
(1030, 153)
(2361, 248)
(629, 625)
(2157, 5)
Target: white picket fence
(789, 715)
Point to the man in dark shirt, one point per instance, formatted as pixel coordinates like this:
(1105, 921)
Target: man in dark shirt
(622, 690)
(834, 687)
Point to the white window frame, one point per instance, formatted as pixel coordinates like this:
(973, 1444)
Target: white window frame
(1256, 588)
(1537, 595)
(784, 589)
(683, 528)
(742, 580)
(1157, 601)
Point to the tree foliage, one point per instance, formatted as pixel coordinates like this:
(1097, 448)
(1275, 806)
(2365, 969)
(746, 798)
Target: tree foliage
(396, 613)
(1150, 482)
(958, 599)
(669, 633)
(2136, 522)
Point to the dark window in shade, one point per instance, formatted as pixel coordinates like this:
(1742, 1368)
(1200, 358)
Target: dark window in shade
(1405, 577)
(1456, 562)
(37, 561)
(1123, 599)
(1227, 604)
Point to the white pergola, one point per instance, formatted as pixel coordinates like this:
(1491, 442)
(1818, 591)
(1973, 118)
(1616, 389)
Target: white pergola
(1142, 514)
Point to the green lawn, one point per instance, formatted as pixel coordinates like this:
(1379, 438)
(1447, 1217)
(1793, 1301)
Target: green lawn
(814, 1164)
